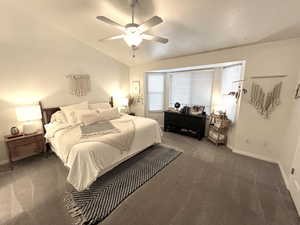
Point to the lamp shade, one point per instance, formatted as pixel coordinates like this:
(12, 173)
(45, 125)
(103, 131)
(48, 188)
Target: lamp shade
(28, 113)
(123, 102)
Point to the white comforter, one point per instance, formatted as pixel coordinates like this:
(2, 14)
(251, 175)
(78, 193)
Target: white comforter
(88, 160)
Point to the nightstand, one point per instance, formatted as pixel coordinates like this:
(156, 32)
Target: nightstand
(24, 146)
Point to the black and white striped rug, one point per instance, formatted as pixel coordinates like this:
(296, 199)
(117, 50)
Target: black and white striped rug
(107, 192)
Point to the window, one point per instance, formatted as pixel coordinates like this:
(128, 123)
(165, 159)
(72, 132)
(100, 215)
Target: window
(195, 87)
(191, 88)
(155, 84)
(229, 75)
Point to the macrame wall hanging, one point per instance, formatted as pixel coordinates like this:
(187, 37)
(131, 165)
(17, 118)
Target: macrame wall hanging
(264, 102)
(80, 84)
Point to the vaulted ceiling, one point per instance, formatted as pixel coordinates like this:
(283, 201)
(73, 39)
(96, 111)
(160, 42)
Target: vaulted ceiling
(192, 26)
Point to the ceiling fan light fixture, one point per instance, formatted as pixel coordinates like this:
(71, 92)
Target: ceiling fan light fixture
(133, 39)
(131, 28)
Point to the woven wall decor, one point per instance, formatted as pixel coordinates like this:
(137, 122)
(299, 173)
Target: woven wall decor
(265, 103)
(80, 84)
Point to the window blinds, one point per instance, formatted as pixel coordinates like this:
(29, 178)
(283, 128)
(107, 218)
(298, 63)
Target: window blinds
(191, 88)
(155, 84)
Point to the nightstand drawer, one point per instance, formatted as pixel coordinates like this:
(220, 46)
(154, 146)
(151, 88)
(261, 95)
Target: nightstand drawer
(25, 151)
(24, 141)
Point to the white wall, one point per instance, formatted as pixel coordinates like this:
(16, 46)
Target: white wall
(252, 134)
(36, 57)
(291, 136)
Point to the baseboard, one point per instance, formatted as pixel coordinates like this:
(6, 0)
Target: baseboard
(3, 162)
(256, 156)
(284, 175)
(230, 147)
(253, 155)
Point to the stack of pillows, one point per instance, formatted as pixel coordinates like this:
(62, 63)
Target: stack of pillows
(85, 114)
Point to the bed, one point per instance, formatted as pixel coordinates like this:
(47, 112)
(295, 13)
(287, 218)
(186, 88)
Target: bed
(89, 159)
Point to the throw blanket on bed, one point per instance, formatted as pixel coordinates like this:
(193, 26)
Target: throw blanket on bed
(98, 128)
(120, 133)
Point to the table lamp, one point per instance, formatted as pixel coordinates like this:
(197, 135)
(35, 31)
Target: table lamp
(29, 114)
(123, 104)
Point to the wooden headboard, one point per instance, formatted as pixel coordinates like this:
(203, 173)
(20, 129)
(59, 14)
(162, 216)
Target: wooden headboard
(48, 112)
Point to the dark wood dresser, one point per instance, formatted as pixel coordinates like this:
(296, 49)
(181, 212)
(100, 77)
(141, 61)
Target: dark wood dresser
(193, 125)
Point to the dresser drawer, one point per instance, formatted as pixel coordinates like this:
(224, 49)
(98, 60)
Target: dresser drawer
(193, 125)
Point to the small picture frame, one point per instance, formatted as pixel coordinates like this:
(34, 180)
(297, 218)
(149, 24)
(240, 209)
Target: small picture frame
(135, 88)
(297, 95)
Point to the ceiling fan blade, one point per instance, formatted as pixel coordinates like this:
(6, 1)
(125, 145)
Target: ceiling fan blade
(112, 38)
(155, 20)
(110, 22)
(155, 38)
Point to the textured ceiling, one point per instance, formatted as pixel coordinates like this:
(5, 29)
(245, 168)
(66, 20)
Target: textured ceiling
(192, 26)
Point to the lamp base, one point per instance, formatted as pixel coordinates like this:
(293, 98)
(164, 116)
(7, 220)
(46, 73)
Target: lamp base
(29, 128)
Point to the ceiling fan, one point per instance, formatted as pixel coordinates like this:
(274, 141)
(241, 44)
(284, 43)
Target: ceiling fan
(134, 34)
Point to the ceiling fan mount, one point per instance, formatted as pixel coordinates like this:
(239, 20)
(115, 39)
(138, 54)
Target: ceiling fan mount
(134, 33)
(132, 3)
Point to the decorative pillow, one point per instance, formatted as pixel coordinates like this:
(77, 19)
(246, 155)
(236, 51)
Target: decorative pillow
(58, 117)
(87, 117)
(109, 114)
(69, 111)
(100, 105)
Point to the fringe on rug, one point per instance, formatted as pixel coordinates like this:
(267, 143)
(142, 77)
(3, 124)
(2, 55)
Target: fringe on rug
(74, 210)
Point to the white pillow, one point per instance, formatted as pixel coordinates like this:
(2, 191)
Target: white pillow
(109, 114)
(100, 105)
(87, 117)
(69, 111)
(58, 117)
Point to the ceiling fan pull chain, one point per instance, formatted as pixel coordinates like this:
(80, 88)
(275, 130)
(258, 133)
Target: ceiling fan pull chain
(133, 51)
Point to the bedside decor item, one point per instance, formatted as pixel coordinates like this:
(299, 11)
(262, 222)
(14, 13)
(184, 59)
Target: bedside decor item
(297, 95)
(80, 84)
(14, 131)
(24, 146)
(132, 100)
(218, 128)
(29, 114)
